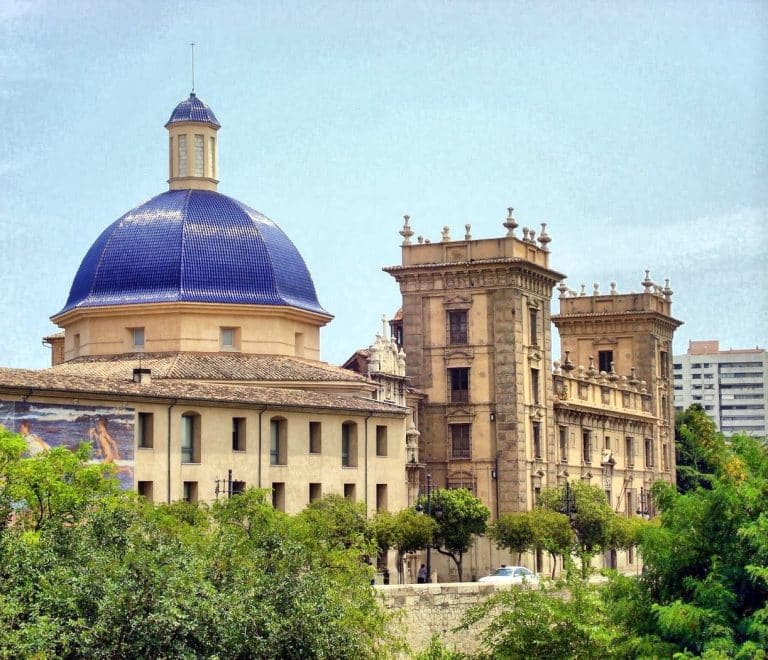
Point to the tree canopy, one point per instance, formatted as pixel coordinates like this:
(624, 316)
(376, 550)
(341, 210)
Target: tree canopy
(460, 516)
(90, 571)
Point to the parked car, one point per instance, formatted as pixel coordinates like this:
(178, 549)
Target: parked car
(512, 575)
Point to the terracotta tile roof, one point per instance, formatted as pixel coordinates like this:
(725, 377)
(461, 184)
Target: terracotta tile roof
(209, 366)
(55, 335)
(50, 381)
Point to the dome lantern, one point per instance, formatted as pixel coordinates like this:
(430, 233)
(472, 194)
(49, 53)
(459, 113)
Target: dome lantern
(192, 146)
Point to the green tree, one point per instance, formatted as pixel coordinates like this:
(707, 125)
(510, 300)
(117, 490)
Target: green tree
(102, 573)
(407, 531)
(512, 532)
(461, 517)
(592, 521)
(699, 448)
(547, 625)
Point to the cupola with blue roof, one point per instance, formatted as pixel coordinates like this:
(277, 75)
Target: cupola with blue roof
(192, 247)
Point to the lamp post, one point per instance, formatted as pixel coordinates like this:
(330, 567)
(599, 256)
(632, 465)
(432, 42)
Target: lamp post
(438, 514)
(569, 502)
(643, 504)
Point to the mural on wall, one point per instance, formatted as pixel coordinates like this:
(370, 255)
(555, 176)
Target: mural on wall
(44, 426)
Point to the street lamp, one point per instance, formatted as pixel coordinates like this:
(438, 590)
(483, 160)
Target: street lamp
(438, 515)
(644, 504)
(568, 506)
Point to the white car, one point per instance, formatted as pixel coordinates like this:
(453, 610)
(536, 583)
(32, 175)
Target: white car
(512, 575)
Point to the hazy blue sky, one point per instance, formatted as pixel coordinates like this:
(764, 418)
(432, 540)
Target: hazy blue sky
(637, 131)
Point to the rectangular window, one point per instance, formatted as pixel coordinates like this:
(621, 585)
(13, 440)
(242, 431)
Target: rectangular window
(76, 342)
(459, 381)
(315, 492)
(604, 361)
(137, 337)
(145, 430)
(238, 434)
(190, 439)
(298, 344)
(315, 438)
(586, 446)
(238, 487)
(381, 441)
(664, 363)
(629, 450)
(278, 439)
(349, 492)
(533, 322)
(665, 456)
(278, 495)
(198, 171)
(190, 491)
(457, 325)
(630, 505)
(649, 452)
(145, 488)
(535, 386)
(212, 158)
(230, 339)
(607, 442)
(381, 497)
(563, 444)
(536, 431)
(182, 143)
(460, 438)
(349, 444)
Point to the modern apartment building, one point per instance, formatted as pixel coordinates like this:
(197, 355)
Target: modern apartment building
(730, 385)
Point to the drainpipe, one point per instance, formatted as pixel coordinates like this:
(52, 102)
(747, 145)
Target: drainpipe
(169, 448)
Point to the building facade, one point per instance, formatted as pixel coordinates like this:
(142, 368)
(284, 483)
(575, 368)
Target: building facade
(189, 356)
(729, 385)
(496, 418)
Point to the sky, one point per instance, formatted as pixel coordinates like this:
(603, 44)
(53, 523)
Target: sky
(636, 131)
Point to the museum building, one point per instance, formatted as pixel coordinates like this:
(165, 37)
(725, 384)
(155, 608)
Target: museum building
(189, 355)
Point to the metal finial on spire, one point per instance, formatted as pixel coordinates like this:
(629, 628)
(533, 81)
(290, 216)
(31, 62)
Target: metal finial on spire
(192, 44)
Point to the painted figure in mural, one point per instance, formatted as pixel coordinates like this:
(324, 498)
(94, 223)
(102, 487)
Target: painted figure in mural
(35, 444)
(103, 441)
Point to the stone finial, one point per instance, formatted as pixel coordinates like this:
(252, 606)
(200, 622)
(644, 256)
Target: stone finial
(544, 238)
(568, 365)
(613, 375)
(467, 234)
(420, 239)
(633, 378)
(647, 282)
(583, 291)
(563, 289)
(446, 234)
(427, 241)
(613, 289)
(596, 289)
(525, 234)
(510, 223)
(531, 235)
(667, 291)
(406, 232)
(591, 368)
(643, 387)
(384, 326)
(556, 368)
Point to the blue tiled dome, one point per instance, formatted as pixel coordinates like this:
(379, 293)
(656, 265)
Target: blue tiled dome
(193, 109)
(193, 246)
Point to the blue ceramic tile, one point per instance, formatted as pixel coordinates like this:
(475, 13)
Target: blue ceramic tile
(193, 109)
(193, 246)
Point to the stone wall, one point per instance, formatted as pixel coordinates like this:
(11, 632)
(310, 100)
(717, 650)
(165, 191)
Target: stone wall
(424, 610)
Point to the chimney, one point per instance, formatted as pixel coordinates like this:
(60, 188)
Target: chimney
(142, 376)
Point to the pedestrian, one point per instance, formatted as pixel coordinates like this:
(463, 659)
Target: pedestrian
(421, 578)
